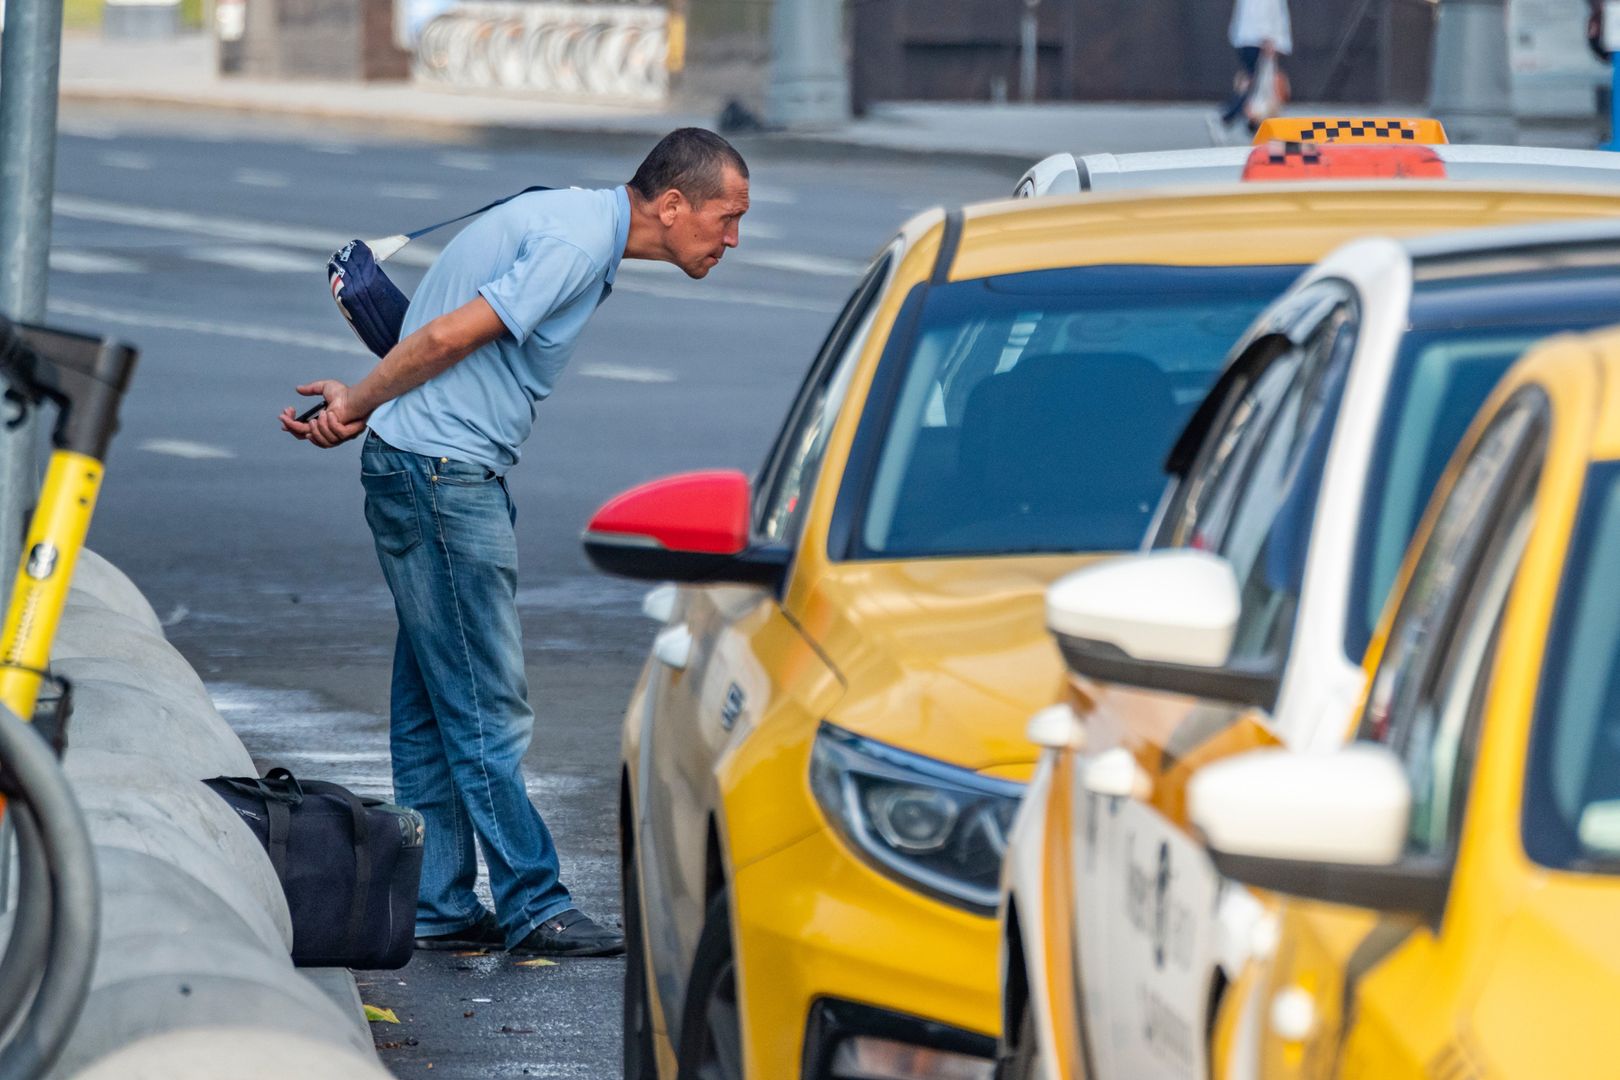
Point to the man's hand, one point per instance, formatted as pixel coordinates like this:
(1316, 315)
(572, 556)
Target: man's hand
(333, 425)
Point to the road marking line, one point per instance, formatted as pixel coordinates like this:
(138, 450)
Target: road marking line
(256, 178)
(710, 294)
(120, 159)
(98, 132)
(256, 259)
(68, 261)
(266, 334)
(423, 192)
(323, 241)
(789, 262)
(626, 373)
(184, 448)
(469, 162)
(417, 255)
(340, 149)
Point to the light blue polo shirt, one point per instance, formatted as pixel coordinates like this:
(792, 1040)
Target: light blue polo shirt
(544, 261)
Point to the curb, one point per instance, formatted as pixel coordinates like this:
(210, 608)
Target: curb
(194, 961)
(801, 145)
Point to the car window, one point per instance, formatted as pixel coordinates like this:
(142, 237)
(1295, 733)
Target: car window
(1032, 411)
(1572, 792)
(1435, 737)
(797, 455)
(1441, 378)
(1429, 688)
(1251, 496)
(1445, 569)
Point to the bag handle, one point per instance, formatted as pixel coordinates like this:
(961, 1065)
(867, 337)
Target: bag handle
(390, 245)
(362, 857)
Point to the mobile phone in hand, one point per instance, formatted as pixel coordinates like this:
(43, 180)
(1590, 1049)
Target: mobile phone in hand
(312, 412)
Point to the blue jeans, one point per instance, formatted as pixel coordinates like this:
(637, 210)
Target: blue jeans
(460, 719)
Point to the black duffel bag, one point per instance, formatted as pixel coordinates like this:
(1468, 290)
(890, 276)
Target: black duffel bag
(348, 866)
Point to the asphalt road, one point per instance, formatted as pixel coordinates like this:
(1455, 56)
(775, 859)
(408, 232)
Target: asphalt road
(203, 240)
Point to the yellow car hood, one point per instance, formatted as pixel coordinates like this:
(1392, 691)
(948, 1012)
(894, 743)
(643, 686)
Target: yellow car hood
(943, 657)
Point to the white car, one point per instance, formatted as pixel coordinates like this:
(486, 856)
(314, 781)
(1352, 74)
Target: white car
(1064, 174)
(1294, 492)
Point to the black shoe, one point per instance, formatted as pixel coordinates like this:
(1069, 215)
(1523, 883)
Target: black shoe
(483, 934)
(572, 933)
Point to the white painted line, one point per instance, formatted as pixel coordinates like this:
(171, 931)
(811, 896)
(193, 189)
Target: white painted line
(753, 230)
(270, 335)
(184, 448)
(712, 294)
(256, 178)
(423, 192)
(792, 263)
(99, 132)
(68, 261)
(340, 149)
(257, 259)
(469, 162)
(322, 241)
(626, 373)
(119, 159)
(772, 196)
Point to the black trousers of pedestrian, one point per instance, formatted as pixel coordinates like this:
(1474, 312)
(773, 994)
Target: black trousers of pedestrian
(1249, 59)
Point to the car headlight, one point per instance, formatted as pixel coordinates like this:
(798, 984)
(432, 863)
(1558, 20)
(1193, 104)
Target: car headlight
(933, 826)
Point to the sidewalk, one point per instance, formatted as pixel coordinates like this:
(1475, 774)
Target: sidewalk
(181, 73)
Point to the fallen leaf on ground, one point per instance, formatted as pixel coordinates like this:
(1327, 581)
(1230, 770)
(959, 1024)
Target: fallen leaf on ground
(385, 1015)
(538, 961)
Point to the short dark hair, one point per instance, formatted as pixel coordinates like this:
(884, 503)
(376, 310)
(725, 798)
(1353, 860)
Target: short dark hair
(692, 161)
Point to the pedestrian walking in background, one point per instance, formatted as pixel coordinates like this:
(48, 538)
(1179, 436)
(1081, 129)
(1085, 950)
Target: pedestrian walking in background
(1262, 34)
(448, 409)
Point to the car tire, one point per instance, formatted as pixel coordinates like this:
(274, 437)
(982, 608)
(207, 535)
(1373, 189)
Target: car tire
(1025, 1062)
(640, 1060)
(711, 1027)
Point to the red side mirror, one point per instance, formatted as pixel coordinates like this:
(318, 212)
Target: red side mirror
(690, 527)
(701, 512)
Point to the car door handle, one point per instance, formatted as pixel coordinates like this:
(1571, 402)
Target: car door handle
(1115, 774)
(673, 646)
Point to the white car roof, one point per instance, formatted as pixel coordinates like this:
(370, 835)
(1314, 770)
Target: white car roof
(1062, 174)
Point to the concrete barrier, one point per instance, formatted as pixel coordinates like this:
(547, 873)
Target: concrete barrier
(97, 581)
(193, 977)
(254, 1054)
(154, 811)
(184, 735)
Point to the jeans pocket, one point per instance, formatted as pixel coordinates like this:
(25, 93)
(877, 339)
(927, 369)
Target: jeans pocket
(462, 472)
(391, 511)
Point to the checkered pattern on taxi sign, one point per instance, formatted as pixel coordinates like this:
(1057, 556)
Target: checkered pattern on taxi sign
(1351, 129)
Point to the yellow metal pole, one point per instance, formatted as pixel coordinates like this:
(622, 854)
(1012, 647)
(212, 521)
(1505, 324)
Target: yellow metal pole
(55, 538)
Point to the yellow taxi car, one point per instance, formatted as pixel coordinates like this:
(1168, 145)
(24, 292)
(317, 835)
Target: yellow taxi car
(1476, 820)
(1294, 493)
(826, 746)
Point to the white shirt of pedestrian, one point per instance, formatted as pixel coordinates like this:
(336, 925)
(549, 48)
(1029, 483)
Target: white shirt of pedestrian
(1254, 22)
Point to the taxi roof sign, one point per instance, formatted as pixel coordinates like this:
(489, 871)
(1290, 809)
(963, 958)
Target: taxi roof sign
(1366, 130)
(1311, 161)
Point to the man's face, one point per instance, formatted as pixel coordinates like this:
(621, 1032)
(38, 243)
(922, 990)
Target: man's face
(698, 235)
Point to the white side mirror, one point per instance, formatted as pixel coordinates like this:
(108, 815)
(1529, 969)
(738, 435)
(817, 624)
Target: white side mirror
(659, 603)
(1349, 806)
(1114, 773)
(1056, 728)
(1178, 607)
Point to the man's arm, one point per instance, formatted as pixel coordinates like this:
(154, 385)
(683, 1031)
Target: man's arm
(426, 352)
